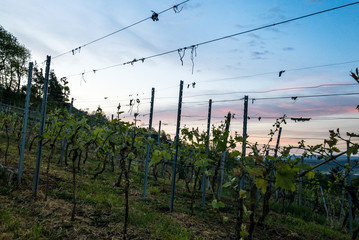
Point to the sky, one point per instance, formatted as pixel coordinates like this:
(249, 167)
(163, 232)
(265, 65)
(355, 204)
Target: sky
(317, 54)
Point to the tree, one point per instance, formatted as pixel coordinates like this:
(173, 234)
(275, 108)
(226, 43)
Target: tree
(58, 92)
(13, 58)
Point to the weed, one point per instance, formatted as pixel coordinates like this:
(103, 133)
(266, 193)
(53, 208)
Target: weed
(36, 231)
(8, 222)
(154, 190)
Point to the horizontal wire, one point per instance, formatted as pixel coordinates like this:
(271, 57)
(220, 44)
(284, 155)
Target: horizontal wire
(285, 97)
(109, 99)
(306, 96)
(266, 137)
(289, 118)
(216, 39)
(286, 70)
(278, 23)
(275, 90)
(117, 31)
(268, 98)
(265, 91)
(261, 74)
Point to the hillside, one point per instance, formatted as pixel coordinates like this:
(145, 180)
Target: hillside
(100, 209)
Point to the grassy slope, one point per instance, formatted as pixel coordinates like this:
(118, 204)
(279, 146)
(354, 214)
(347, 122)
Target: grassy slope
(100, 210)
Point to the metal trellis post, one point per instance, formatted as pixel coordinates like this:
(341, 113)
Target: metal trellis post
(276, 154)
(278, 140)
(207, 151)
(244, 145)
(42, 125)
(159, 132)
(228, 122)
(24, 125)
(65, 139)
(350, 198)
(176, 145)
(300, 187)
(324, 203)
(148, 145)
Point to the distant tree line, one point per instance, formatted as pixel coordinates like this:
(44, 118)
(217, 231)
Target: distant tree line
(14, 58)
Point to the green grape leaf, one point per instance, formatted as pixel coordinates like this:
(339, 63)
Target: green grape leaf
(167, 155)
(242, 193)
(256, 172)
(271, 158)
(214, 204)
(285, 178)
(310, 175)
(217, 204)
(131, 155)
(335, 149)
(221, 204)
(235, 153)
(261, 184)
(156, 156)
(352, 150)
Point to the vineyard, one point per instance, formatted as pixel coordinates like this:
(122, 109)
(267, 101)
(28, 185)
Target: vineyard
(66, 173)
(116, 174)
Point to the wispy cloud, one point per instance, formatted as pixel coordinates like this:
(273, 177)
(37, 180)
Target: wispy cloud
(253, 35)
(288, 49)
(274, 13)
(259, 55)
(315, 1)
(190, 6)
(240, 26)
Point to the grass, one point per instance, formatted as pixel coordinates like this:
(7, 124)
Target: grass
(100, 209)
(11, 227)
(162, 225)
(8, 222)
(302, 212)
(36, 230)
(301, 227)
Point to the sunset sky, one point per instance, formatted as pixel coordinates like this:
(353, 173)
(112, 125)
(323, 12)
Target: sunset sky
(317, 54)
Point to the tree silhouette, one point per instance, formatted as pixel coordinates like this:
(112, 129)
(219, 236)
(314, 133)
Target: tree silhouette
(13, 59)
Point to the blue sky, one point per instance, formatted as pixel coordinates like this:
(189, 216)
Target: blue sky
(240, 65)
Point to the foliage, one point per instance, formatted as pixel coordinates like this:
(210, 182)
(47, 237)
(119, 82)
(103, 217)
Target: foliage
(13, 68)
(13, 58)
(120, 141)
(125, 142)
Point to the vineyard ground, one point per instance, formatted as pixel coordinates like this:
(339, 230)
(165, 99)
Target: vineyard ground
(100, 209)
